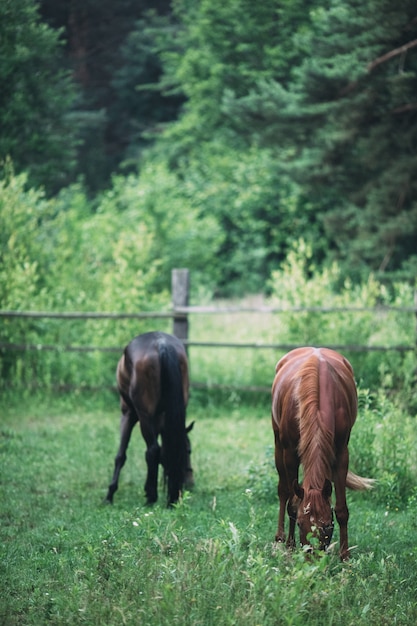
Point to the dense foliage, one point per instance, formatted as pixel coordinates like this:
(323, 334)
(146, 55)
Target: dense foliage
(36, 97)
(59, 255)
(246, 129)
(348, 119)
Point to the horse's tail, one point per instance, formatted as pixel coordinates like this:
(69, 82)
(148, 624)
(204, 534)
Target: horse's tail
(358, 483)
(316, 447)
(174, 441)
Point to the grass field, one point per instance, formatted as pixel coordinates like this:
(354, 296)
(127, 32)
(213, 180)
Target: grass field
(68, 559)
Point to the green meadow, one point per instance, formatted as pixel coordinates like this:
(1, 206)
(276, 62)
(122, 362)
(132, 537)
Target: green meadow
(68, 559)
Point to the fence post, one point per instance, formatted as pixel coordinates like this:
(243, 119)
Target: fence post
(180, 284)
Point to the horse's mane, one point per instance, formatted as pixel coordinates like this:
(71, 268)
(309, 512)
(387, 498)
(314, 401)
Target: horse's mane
(316, 445)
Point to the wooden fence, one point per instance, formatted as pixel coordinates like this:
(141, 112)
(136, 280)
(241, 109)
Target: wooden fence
(180, 313)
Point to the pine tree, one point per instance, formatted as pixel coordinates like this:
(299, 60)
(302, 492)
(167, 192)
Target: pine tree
(36, 97)
(349, 120)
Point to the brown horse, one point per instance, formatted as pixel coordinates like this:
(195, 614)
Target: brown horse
(314, 406)
(152, 379)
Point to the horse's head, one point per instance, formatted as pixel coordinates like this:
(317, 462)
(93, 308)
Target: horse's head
(315, 514)
(189, 476)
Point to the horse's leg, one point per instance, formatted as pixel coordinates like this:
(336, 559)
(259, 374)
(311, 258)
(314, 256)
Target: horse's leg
(282, 489)
(292, 515)
(291, 463)
(341, 508)
(152, 456)
(127, 421)
(287, 468)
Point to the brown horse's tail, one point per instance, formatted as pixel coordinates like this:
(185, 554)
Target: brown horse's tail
(357, 483)
(174, 437)
(316, 448)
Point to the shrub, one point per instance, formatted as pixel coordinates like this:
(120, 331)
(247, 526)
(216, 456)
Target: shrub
(300, 284)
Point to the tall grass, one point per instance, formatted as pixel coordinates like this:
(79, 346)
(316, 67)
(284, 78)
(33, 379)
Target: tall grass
(68, 559)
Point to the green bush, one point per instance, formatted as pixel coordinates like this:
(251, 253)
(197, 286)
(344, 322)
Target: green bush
(300, 284)
(383, 447)
(116, 255)
(59, 255)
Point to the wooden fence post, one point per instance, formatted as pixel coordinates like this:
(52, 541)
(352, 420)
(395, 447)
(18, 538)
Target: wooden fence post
(180, 285)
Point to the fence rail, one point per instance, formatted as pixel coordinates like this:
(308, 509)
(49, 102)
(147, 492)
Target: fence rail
(202, 344)
(90, 315)
(184, 312)
(180, 313)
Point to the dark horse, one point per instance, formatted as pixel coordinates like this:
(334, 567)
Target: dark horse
(152, 379)
(314, 406)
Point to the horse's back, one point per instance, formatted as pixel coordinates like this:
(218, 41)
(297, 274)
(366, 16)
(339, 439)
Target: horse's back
(139, 375)
(284, 400)
(331, 373)
(148, 345)
(289, 368)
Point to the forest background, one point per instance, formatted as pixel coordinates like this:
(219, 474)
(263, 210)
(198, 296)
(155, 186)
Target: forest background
(233, 138)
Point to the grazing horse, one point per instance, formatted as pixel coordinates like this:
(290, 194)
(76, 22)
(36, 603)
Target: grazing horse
(314, 406)
(153, 384)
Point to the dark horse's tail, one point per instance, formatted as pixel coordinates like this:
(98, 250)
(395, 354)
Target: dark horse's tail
(174, 439)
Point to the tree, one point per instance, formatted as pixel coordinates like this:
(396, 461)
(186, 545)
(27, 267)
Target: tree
(112, 49)
(349, 120)
(223, 51)
(141, 104)
(36, 97)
